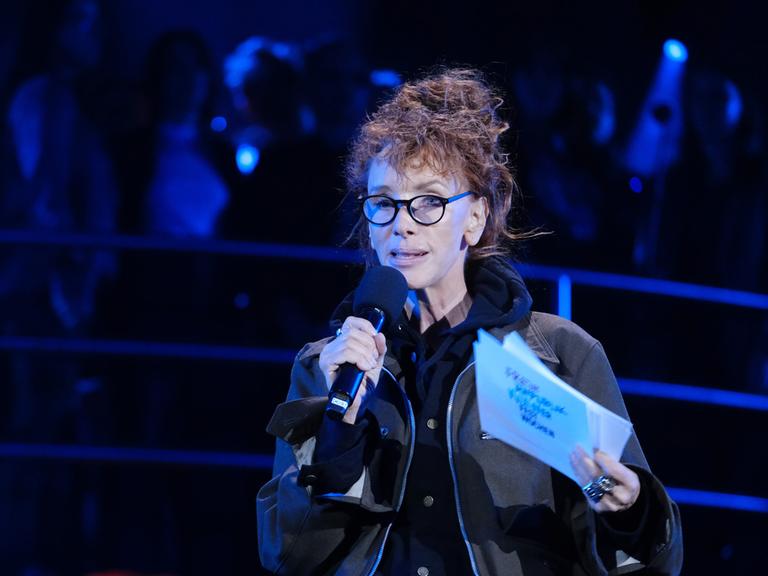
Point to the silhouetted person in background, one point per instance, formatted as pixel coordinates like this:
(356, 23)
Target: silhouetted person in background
(58, 177)
(185, 194)
(716, 220)
(181, 191)
(280, 159)
(568, 123)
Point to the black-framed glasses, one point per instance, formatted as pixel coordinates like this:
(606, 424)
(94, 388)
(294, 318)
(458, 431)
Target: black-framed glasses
(426, 209)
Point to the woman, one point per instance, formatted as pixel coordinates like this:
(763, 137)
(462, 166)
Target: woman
(408, 483)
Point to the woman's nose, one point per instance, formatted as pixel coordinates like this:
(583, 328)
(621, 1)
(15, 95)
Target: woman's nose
(403, 223)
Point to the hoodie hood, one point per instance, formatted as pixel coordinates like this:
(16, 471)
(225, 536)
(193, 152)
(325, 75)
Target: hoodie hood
(499, 295)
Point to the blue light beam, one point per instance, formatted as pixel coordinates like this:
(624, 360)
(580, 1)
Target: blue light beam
(564, 296)
(247, 157)
(718, 500)
(675, 50)
(698, 394)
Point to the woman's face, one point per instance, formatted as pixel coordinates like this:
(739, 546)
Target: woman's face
(430, 257)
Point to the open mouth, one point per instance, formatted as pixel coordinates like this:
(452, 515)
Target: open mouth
(407, 256)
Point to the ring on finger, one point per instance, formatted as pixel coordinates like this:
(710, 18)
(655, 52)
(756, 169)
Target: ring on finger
(598, 488)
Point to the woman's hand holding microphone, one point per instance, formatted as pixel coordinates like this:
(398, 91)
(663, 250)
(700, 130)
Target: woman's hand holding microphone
(356, 343)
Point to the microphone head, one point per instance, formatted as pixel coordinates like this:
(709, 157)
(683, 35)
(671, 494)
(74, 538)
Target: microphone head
(381, 287)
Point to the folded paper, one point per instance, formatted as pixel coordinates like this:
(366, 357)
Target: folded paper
(524, 404)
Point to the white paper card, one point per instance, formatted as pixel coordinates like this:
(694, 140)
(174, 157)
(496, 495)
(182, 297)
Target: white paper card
(524, 404)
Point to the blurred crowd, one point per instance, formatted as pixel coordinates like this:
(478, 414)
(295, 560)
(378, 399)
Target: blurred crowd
(250, 148)
(197, 149)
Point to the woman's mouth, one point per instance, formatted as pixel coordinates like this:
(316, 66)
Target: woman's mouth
(408, 257)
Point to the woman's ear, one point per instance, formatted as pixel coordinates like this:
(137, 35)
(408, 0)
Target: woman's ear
(476, 219)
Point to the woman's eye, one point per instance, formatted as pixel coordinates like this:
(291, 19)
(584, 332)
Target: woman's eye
(431, 202)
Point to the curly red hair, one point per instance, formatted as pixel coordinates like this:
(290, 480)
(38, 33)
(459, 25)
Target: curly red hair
(448, 121)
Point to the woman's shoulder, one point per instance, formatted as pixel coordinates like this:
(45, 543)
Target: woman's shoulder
(558, 339)
(306, 377)
(558, 329)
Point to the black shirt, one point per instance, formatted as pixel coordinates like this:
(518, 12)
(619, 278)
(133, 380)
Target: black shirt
(426, 535)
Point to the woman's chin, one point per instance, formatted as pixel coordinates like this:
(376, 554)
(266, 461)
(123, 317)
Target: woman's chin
(414, 279)
(414, 275)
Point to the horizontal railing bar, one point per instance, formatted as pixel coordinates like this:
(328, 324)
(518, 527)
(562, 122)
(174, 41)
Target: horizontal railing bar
(697, 394)
(207, 246)
(610, 280)
(135, 455)
(681, 392)
(656, 286)
(145, 456)
(143, 348)
(719, 500)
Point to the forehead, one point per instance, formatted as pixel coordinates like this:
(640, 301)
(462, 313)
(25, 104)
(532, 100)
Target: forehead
(415, 173)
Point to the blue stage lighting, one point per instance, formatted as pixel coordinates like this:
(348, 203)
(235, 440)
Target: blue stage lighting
(308, 119)
(247, 157)
(635, 184)
(734, 105)
(675, 50)
(218, 123)
(385, 78)
(564, 296)
(282, 50)
(655, 143)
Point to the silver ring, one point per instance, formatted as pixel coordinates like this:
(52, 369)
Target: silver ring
(338, 332)
(598, 488)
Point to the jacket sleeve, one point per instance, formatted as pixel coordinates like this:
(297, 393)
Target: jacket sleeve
(654, 542)
(298, 525)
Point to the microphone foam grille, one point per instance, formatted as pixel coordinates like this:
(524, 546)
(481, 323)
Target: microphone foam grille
(382, 287)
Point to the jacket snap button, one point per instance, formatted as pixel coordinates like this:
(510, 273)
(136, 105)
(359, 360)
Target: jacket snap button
(432, 423)
(428, 501)
(384, 431)
(423, 571)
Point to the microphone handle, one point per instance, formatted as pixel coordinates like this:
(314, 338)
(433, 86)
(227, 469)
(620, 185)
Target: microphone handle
(350, 377)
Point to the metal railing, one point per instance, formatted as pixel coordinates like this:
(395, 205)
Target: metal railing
(564, 279)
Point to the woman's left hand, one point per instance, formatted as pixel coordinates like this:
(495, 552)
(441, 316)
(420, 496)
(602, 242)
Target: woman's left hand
(588, 469)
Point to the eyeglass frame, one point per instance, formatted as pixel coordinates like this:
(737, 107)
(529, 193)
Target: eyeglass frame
(408, 203)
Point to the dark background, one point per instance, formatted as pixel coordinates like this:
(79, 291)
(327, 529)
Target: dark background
(176, 335)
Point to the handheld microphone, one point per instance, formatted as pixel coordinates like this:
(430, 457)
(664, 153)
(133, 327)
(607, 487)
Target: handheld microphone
(379, 299)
